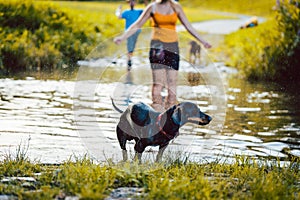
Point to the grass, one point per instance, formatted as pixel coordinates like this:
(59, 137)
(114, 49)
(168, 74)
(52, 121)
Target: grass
(101, 14)
(258, 8)
(269, 50)
(97, 14)
(245, 178)
(97, 21)
(104, 12)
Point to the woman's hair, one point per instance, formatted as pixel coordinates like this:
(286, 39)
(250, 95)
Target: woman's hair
(172, 2)
(162, 1)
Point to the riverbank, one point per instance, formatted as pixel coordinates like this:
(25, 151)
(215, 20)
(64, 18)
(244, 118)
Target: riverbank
(245, 178)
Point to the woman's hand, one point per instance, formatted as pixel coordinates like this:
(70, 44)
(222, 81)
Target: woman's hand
(206, 45)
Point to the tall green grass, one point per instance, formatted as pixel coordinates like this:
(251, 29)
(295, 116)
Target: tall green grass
(41, 37)
(245, 178)
(259, 8)
(270, 51)
(50, 37)
(101, 12)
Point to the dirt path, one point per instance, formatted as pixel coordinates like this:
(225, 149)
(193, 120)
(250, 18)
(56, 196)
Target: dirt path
(222, 26)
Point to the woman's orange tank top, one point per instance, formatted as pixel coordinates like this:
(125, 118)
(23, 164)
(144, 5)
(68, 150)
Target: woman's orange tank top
(164, 27)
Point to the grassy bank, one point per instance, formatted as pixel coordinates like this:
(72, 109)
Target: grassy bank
(49, 37)
(270, 51)
(258, 8)
(42, 38)
(246, 178)
(100, 13)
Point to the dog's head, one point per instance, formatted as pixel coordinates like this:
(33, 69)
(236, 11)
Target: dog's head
(189, 112)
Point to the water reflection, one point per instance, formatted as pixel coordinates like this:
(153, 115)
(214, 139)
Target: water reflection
(260, 119)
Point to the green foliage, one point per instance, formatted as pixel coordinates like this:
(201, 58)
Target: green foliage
(85, 179)
(41, 38)
(246, 47)
(270, 51)
(286, 58)
(100, 15)
(259, 8)
(244, 178)
(17, 163)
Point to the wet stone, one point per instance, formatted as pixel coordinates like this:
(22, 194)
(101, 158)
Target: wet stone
(26, 182)
(8, 197)
(21, 179)
(126, 193)
(28, 186)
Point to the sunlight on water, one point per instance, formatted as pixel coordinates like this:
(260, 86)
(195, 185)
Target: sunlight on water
(64, 118)
(43, 111)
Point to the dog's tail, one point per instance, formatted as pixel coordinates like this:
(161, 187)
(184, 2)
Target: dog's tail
(115, 107)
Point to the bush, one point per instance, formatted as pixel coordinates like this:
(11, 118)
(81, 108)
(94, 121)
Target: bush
(286, 58)
(41, 38)
(271, 50)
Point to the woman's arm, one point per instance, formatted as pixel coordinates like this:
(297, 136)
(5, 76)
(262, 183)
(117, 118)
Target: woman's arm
(136, 25)
(185, 22)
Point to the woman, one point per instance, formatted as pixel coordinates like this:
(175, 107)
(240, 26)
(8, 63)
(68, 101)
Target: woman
(164, 14)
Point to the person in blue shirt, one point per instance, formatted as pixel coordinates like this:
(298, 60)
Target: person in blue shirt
(130, 15)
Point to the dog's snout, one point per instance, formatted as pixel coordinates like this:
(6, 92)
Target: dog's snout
(206, 119)
(209, 118)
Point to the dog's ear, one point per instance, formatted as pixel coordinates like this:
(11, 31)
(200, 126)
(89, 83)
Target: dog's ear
(176, 116)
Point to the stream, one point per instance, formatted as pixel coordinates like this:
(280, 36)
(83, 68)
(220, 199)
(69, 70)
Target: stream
(52, 121)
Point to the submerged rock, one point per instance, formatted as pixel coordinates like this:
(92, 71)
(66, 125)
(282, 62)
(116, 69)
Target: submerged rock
(126, 193)
(8, 197)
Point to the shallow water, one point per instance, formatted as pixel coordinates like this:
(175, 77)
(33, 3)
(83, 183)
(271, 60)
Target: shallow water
(62, 119)
(53, 121)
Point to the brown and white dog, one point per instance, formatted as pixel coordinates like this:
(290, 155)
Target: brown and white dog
(194, 52)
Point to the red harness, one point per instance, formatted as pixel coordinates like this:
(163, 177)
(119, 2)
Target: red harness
(161, 128)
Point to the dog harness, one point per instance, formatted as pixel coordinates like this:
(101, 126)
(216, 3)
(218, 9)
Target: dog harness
(161, 128)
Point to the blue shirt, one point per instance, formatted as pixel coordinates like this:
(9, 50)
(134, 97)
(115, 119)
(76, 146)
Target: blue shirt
(131, 16)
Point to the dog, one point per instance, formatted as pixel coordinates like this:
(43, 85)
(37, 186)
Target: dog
(148, 127)
(251, 23)
(194, 52)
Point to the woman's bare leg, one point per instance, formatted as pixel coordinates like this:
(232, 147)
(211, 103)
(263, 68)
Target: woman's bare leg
(159, 79)
(172, 87)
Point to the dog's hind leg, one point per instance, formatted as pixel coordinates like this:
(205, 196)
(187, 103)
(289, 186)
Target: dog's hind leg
(122, 141)
(161, 150)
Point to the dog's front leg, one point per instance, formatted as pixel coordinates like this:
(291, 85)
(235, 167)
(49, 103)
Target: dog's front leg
(161, 150)
(125, 155)
(139, 149)
(138, 157)
(122, 138)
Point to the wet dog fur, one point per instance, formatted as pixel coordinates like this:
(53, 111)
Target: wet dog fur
(147, 127)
